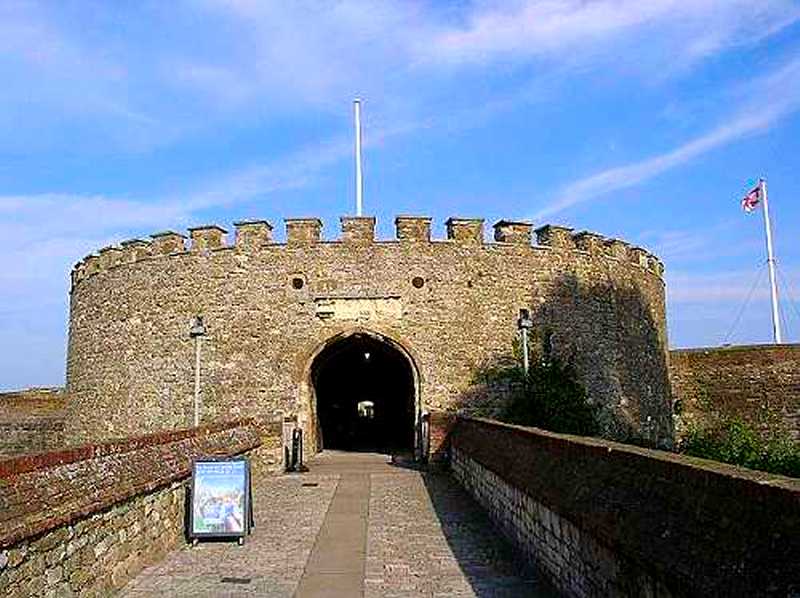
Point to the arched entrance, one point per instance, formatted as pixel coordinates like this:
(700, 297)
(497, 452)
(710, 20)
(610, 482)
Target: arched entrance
(365, 390)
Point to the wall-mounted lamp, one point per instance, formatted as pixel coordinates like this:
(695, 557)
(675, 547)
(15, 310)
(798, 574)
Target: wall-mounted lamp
(197, 327)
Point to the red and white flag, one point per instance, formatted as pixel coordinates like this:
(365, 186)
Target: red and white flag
(752, 199)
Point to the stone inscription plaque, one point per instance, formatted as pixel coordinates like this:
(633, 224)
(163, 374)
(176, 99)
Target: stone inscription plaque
(358, 308)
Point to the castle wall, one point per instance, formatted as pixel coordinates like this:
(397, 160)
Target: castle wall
(82, 522)
(268, 308)
(600, 518)
(758, 383)
(31, 420)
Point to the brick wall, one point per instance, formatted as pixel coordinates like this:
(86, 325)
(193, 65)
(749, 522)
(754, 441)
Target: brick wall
(758, 383)
(601, 518)
(31, 420)
(85, 520)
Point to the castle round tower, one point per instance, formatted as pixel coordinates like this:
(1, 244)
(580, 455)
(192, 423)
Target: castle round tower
(358, 338)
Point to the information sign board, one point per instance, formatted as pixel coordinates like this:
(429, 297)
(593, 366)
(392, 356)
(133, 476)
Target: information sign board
(220, 498)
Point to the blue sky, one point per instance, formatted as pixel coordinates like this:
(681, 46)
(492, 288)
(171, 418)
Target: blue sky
(644, 120)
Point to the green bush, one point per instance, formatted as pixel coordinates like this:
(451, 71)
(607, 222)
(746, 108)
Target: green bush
(549, 397)
(738, 443)
(554, 400)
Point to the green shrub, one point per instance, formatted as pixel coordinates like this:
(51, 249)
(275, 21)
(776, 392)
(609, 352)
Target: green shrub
(553, 399)
(549, 397)
(738, 443)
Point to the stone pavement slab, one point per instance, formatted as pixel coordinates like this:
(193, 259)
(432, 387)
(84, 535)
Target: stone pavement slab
(288, 518)
(336, 565)
(369, 527)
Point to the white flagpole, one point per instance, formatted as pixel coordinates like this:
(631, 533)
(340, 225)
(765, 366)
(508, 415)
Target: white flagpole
(359, 180)
(776, 321)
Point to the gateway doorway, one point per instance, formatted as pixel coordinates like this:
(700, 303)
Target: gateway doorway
(364, 390)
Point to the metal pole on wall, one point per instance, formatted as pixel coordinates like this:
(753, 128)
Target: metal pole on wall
(777, 335)
(359, 179)
(525, 359)
(524, 323)
(197, 331)
(196, 381)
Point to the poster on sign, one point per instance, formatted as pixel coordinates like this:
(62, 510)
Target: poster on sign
(220, 499)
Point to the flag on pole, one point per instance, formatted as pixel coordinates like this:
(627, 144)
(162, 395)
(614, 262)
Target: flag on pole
(752, 199)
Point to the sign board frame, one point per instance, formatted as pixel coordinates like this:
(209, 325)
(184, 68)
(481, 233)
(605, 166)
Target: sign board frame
(242, 486)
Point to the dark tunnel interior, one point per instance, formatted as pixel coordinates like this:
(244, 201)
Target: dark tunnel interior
(365, 396)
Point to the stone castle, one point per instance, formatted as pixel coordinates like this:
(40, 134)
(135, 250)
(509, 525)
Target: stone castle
(313, 330)
(371, 345)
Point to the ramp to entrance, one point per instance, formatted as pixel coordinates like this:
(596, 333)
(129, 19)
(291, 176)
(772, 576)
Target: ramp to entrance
(355, 525)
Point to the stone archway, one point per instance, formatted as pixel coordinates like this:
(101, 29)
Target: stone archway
(364, 394)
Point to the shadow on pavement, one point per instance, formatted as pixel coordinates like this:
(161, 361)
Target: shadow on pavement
(489, 562)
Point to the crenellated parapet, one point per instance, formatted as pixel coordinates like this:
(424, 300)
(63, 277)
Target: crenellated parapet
(359, 231)
(276, 305)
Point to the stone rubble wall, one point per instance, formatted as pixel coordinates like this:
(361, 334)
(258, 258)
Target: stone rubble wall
(600, 518)
(757, 383)
(84, 521)
(451, 304)
(31, 420)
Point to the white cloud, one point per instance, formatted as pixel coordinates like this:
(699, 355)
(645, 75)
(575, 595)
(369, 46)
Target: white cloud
(778, 96)
(577, 29)
(258, 60)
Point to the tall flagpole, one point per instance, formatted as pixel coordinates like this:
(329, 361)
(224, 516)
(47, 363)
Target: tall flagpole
(359, 180)
(776, 321)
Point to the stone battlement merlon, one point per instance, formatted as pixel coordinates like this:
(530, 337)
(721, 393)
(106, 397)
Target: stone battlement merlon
(205, 238)
(168, 242)
(251, 235)
(465, 230)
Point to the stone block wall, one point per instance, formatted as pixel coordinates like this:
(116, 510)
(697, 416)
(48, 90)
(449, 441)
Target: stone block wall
(450, 305)
(84, 521)
(31, 420)
(757, 383)
(600, 518)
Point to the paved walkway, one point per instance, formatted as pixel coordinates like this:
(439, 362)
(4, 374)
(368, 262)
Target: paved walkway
(355, 525)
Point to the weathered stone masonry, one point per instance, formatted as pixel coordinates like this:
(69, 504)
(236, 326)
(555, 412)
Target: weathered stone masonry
(757, 383)
(84, 521)
(31, 420)
(451, 305)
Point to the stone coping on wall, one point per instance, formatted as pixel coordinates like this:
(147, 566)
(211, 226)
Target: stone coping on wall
(736, 348)
(558, 238)
(32, 401)
(703, 527)
(27, 463)
(43, 491)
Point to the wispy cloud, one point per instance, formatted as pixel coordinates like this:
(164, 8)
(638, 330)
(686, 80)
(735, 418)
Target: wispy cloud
(84, 223)
(779, 96)
(261, 59)
(575, 29)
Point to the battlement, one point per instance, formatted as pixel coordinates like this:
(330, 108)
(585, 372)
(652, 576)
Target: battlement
(254, 235)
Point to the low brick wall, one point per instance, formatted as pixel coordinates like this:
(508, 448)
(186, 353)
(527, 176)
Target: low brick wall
(85, 520)
(31, 420)
(440, 425)
(601, 518)
(757, 383)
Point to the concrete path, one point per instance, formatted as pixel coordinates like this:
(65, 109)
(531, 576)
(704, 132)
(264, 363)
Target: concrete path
(355, 525)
